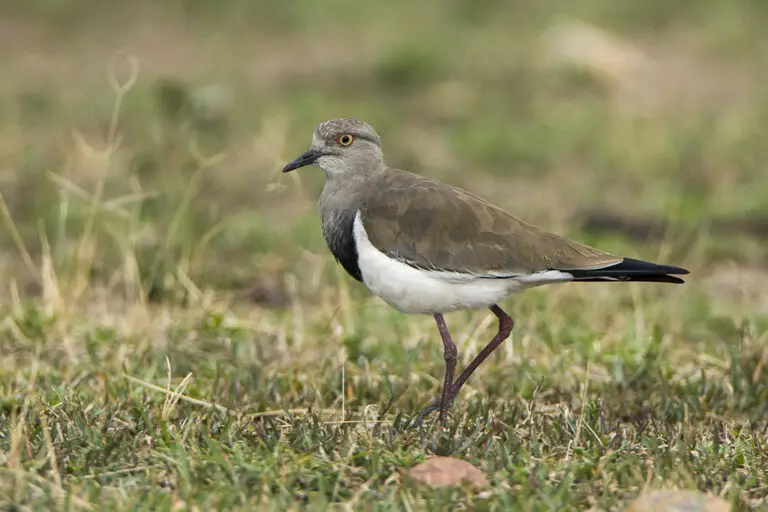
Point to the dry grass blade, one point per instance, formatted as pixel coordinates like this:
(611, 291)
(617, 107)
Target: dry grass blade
(175, 396)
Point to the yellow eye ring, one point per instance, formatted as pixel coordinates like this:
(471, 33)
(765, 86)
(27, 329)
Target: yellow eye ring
(346, 139)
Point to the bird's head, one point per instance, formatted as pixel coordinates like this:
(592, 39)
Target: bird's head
(341, 147)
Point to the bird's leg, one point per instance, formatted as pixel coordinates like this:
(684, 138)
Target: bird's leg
(449, 354)
(505, 329)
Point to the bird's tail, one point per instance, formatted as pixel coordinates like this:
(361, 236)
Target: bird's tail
(631, 270)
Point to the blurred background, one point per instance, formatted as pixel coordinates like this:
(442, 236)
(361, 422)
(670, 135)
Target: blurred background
(141, 142)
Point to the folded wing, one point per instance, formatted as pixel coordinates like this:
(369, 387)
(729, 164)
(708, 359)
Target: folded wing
(434, 226)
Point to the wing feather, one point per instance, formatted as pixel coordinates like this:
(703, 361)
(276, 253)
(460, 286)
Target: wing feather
(435, 226)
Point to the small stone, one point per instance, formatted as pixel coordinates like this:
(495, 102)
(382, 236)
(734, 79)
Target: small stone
(678, 501)
(446, 472)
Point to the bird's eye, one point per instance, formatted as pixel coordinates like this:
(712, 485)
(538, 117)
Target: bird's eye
(346, 139)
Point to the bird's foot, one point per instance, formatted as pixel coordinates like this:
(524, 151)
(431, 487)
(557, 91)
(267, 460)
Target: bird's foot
(432, 407)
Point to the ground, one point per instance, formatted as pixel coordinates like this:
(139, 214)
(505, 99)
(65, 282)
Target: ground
(175, 335)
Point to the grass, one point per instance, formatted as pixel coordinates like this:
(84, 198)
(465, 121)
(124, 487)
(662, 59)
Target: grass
(176, 336)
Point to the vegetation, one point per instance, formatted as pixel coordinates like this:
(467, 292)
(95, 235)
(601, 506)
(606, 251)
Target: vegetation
(176, 336)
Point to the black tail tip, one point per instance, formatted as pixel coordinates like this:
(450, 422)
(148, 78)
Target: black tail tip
(630, 269)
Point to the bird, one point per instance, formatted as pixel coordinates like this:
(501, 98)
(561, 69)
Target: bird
(427, 247)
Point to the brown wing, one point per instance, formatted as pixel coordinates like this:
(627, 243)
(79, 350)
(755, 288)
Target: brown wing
(432, 225)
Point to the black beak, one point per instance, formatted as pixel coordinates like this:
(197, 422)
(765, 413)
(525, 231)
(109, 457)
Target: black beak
(307, 158)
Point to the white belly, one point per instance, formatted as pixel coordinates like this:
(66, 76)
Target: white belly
(411, 290)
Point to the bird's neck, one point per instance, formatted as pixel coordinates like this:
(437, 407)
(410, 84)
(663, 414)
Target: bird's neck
(342, 194)
(341, 190)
